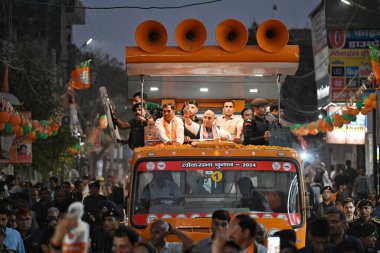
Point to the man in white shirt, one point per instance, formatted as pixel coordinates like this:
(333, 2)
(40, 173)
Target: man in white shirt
(170, 128)
(207, 130)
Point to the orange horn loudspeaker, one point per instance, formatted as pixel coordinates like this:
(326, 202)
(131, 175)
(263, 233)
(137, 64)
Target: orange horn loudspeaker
(190, 35)
(151, 36)
(272, 35)
(231, 35)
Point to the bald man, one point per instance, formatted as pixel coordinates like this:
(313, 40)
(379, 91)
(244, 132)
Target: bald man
(207, 130)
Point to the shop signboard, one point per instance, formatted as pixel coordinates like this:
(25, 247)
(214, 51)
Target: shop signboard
(353, 133)
(350, 62)
(349, 68)
(321, 54)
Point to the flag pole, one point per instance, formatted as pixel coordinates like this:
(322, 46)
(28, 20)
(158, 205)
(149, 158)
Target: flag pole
(142, 93)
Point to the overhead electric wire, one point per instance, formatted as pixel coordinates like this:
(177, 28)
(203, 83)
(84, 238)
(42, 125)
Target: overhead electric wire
(123, 7)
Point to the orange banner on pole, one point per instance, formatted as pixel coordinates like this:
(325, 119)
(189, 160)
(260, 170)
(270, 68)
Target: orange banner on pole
(80, 76)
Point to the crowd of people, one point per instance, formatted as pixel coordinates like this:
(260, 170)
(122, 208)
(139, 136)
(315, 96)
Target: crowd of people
(252, 127)
(348, 194)
(32, 217)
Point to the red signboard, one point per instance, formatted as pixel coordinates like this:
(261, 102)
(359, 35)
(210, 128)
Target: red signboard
(217, 165)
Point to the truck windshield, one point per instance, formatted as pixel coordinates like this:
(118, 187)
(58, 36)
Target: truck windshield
(191, 189)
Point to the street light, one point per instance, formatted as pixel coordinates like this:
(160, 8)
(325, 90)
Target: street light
(86, 43)
(346, 2)
(354, 4)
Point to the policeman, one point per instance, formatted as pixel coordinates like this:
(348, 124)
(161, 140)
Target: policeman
(365, 208)
(326, 202)
(256, 130)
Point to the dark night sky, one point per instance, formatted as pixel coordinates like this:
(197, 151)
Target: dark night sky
(113, 30)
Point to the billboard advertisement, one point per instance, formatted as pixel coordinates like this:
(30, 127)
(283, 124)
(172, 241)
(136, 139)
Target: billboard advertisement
(321, 54)
(350, 62)
(349, 68)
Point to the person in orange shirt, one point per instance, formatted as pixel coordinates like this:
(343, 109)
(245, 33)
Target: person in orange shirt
(71, 234)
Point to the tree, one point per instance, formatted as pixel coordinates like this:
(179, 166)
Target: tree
(34, 83)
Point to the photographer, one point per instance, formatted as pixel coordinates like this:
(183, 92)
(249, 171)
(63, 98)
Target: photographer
(136, 126)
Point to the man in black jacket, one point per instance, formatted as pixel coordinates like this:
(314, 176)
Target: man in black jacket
(192, 108)
(110, 223)
(256, 131)
(136, 126)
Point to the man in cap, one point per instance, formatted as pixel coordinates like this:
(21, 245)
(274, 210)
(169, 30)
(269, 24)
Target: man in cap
(256, 130)
(110, 220)
(326, 203)
(365, 208)
(91, 204)
(367, 235)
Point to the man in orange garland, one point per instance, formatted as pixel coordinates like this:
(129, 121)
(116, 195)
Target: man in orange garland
(171, 128)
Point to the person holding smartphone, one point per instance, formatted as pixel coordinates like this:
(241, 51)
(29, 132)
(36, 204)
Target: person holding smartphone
(191, 108)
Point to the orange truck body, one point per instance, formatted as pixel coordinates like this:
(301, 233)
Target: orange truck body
(197, 226)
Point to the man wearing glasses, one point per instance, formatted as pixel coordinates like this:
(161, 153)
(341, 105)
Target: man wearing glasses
(365, 208)
(256, 130)
(220, 222)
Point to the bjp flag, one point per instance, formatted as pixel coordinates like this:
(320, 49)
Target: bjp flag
(375, 60)
(80, 76)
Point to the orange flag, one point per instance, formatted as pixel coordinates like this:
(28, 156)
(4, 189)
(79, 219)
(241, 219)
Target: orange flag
(375, 59)
(80, 76)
